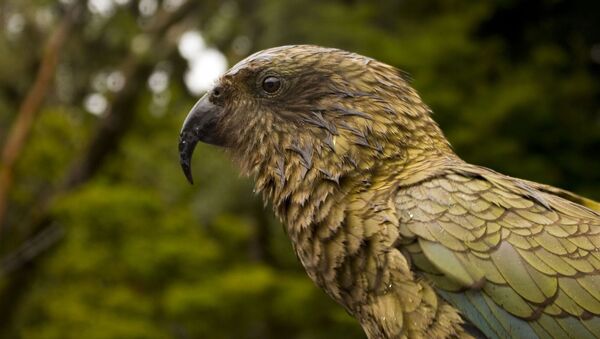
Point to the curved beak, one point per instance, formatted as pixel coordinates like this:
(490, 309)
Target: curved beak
(199, 125)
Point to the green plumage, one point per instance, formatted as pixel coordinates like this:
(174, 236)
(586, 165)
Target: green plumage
(406, 236)
(509, 248)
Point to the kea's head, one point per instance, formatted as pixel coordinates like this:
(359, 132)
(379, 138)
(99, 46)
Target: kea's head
(297, 114)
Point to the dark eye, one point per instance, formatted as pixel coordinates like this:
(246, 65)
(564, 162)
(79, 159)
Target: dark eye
(271, 84)
(217, 91)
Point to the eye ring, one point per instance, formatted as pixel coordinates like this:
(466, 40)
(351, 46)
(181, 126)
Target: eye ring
(271, 84)
(217, 91)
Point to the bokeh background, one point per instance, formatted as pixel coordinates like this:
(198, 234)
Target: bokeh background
(102, 237)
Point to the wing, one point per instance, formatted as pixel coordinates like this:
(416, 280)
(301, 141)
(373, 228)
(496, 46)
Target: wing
(516, 260)
(591, 204)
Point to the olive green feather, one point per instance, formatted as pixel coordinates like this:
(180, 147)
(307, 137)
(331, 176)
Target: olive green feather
(386, 218)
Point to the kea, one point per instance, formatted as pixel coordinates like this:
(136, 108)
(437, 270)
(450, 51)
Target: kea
(410, 239)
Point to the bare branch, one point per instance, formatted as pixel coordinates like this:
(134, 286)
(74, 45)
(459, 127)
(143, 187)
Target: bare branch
(36, 245)
(20, 129)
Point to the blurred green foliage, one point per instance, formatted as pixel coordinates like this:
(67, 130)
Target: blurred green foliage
(515, 85)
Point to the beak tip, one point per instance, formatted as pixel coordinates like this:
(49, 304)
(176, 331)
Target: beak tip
(198, 126)
(187, 170)
(185, 154)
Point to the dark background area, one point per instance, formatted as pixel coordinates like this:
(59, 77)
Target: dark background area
(102, 237)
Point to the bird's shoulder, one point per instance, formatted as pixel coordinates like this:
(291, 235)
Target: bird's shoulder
(528, 249)
(466, 193)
